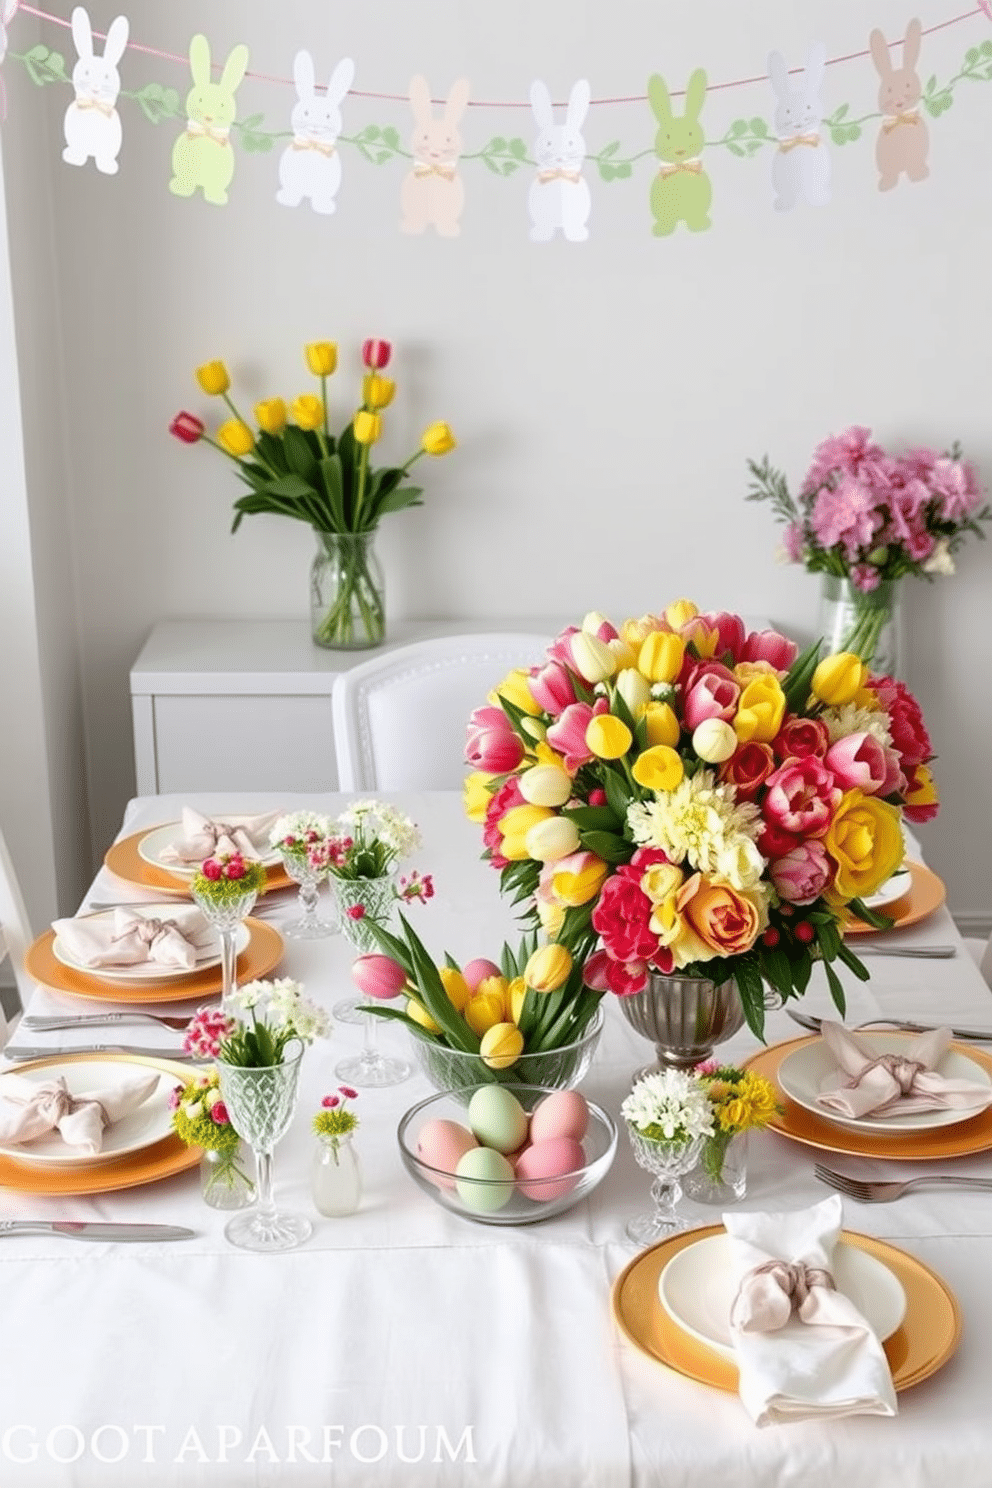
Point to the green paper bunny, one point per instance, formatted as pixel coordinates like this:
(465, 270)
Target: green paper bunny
(203, 155)
(681, 190)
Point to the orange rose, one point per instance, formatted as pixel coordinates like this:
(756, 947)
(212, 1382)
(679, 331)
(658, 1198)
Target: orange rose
(727, 920)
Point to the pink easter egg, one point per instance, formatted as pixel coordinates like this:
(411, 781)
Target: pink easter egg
(563, 1113)
(442, 1144)
(476, 971)
(554, 1159)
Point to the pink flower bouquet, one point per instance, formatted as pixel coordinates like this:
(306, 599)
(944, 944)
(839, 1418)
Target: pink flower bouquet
(681, 795)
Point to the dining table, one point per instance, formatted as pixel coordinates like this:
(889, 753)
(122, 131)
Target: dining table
(408, 1345)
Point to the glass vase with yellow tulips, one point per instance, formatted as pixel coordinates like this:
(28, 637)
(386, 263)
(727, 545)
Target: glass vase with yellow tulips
(295, 466)
(527, 1020)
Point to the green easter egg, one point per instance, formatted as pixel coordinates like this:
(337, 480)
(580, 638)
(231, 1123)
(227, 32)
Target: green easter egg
(497, 1118)
(495, 1189)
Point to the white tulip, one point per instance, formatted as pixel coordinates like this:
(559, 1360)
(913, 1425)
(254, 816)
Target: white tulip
(545, 785)
(714, 741)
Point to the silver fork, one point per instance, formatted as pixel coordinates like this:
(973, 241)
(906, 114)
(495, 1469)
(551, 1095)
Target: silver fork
(882, 1193)
(806, 1020)
(45, 1024)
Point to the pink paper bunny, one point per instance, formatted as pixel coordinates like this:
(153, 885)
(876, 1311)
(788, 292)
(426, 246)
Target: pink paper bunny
(903, 140)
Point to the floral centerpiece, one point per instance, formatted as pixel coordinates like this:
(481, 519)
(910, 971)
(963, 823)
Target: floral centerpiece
(361, 853)
(671, 1106)
(681, 795)
(742, 1101)
(200, 1119)
(225, 880)
(271, 1015)
(295, 466)
(871, 517)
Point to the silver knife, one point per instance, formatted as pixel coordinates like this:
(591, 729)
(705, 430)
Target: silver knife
(78, 1230)
(51, 1051)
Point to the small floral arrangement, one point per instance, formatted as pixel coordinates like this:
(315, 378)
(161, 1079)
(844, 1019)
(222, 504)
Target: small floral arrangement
(228, 877)
(683, 795)
(870, 516)
(334, 1121)
(302, 835)
(293, 464)
(671, 1106)
(369, 839)
(741, 1100)
(199, 1115)
(273, 1014)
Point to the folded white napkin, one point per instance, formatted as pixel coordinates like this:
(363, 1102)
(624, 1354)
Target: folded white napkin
(803, 1350)
(868, 1084)
(204, 838)
(30, 1108)
(128, 938)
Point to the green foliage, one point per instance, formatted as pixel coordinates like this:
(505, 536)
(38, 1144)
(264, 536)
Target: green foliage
(501, 156)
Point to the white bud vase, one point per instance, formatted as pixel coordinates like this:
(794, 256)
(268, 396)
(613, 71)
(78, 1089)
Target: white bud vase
(336, 1177)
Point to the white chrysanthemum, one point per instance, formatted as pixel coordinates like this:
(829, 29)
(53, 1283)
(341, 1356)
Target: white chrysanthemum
(703, 824)
(248, 996)
(298, 824)
(375, 821)
(674, 1102)
(841, 722)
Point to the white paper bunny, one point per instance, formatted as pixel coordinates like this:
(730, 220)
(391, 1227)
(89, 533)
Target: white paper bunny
(559, 198)
(8, 9)
(310, 168)
(92, 124)
(801, 164)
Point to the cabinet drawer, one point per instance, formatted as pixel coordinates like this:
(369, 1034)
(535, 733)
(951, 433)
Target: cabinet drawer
(244, 742)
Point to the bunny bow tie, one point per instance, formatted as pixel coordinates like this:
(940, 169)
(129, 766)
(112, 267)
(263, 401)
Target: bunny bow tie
(299, 143)
(204, 131)
(798, 139)
(425, 168)
(694, 167)
(107, 109)
(545, 176)
(897, 119)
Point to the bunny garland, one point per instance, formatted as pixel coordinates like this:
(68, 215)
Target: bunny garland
(202, 156)
(681, 190)
(903, 140)
(559, 199)
(92, 125)
(310, 168)
(432, 194)
(801, 164)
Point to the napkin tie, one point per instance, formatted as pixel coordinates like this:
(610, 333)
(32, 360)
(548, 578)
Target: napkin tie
(30, 1109)
(794, 1280)
(203, 837)
(866, 1083)
(903, 1071)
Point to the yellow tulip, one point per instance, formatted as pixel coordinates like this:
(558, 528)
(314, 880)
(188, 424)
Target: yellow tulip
(482, 1013)
(501, 1045)
(838, 678)
(661, 724)
(476, 795)
(545, 755)
(516, 691)
(608, 737)
(516, 993)
(271, 415)
(661, 882)
(437, 439)
(515, 825)
(865, 841)
(548, 968)
(456, 988)
(534, 728)
(236, 438)
(495, 986)
(578, 879)
(322, 357)
(307, 411)
(367, 427)
(681, 612)
(760, 710)
(635, 632)
(922, 790)
(213, 378)
(419, 1014)
(377, 392)
(658, 768)
(545, 785)
(624, 655)
(661, 655)
(551, 915)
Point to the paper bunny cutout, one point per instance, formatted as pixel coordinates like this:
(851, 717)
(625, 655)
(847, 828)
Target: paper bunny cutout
(681, 190)
(310, 168)
(801, 164)
(432, 194)
(903, 140)
(202, 156)
(92, 125)
(559, 200)
(8, 9)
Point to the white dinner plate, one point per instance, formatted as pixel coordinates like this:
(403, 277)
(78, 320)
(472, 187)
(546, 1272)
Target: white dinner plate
(150, 971)
(153, 843)
(801, 1075)
(146, 1124)
(894, 888)
(697, 1289)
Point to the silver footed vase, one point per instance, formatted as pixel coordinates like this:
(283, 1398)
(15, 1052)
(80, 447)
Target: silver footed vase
(683, 1017)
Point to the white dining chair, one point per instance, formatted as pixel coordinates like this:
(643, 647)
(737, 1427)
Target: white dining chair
(981, 952)
(15, 937)
(400, 717)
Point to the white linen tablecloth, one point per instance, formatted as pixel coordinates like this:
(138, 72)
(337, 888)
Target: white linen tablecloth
(403, 1345)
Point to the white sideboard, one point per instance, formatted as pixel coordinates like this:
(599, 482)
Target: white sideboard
(199, 685)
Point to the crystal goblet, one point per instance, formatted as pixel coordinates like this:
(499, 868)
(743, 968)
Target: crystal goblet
(375, 899)
(668, 1161)
(310, 926)
(260, 1104)
(226, 915)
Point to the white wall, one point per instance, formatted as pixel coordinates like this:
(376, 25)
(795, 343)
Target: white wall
(606, 395)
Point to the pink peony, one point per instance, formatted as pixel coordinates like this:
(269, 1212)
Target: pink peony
(802, 798)
(801, 876)
(865, 577)
(846, 515)
(906, 727)
(492, 745)
(841, 453)
(212, 869)
(621, 917)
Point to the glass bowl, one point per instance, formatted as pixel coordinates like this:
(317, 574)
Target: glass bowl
(557, 1069)
(498, 1201)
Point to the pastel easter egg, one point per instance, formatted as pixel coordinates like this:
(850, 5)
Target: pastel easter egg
(497, 1118)
(557, 1160)
(442, 1144)
(476, 971)
(484, 1180)
(563, 1113)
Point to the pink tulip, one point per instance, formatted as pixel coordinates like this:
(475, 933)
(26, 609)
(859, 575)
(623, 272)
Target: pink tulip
(561, 647)
(491, 742)
(378, 976)
(552, 688)
(798, 738)
(567, 737)
(476, 971)
(710, 692)
(768, 645)
(802, 797)
(858, 763)
(803, 874)
(730, 629)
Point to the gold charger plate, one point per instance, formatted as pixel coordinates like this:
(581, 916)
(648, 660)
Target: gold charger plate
(262, 953)
(974, 1135)
(149, 1165)
(925, 894)
(925, 1341)
(124, 859)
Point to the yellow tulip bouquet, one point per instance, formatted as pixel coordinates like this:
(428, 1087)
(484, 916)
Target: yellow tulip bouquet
(295, 466)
